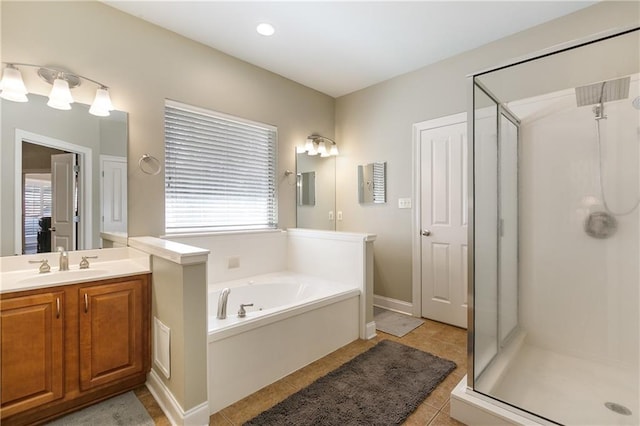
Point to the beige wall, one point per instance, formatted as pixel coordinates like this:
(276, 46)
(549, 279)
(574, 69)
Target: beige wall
(144, 65)
(375, 124)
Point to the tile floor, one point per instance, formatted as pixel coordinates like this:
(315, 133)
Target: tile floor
(434, 337)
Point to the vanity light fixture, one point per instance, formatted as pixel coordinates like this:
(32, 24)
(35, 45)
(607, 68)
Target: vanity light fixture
(317, 144)
(13, 89)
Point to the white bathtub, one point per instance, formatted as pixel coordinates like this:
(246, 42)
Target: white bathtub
(295, 320)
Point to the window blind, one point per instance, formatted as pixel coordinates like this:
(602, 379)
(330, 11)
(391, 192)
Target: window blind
(219, 172)
(37, 203)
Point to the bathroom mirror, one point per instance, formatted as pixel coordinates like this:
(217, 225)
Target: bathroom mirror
(372, 183)
(316, 192)
(306, 185)
(93, 151)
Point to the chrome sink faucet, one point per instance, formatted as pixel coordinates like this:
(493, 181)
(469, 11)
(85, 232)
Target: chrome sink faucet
(64, 259)
(222, 303)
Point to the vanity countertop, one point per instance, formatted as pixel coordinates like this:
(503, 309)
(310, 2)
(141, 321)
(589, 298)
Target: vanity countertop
(17, 274)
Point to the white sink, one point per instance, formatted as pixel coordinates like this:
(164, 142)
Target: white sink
(55, 277)
(21, 272)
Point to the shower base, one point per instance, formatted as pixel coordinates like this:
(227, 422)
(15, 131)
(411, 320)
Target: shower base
(567, 389)
(562, 388)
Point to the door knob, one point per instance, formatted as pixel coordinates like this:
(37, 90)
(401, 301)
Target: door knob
(426, 232)
(52, 229)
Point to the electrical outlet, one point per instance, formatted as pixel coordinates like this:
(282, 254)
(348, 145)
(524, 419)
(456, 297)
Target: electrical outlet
(404, 203)
(233, 262)
(339, 215)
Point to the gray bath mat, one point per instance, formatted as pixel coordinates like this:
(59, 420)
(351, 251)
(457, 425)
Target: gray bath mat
(394, 323)
(121, 410)
(381, 386)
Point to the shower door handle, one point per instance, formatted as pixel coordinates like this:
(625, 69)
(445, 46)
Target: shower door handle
(426, 233)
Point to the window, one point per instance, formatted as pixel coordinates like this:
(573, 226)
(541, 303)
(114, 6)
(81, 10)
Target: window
(37, 208)
(219, 172)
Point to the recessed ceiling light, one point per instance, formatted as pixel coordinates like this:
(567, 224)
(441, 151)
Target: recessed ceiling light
(265, 29)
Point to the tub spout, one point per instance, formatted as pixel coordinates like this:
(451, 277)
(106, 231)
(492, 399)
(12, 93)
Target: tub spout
(222, 303)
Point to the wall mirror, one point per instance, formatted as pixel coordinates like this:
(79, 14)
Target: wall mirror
(306, 188)
(372, 183)
(315, 175)
(64, 177)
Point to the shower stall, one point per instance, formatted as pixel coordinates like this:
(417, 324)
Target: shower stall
(554, 335)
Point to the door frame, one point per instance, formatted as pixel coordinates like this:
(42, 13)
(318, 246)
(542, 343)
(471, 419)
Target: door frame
(85, 233)
(416, 241)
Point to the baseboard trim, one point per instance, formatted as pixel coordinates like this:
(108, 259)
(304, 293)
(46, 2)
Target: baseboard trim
(370, 330)
(196, 416)
(393, 304)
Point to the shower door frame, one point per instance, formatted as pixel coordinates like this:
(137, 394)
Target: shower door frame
(472, 83)
(502, 113)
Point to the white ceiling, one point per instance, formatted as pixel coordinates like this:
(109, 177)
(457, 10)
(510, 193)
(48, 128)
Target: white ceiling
(340, 47)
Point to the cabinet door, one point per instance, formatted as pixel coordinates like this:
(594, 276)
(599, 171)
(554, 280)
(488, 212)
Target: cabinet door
(32, 351)
(111, 332)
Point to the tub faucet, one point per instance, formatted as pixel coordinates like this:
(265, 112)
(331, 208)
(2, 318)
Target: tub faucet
(222, 303)
(64, 259)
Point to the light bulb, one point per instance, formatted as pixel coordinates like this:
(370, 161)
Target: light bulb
(60, 96)
(308, 146)
(13, 88)
(322, 149)
(102, 103)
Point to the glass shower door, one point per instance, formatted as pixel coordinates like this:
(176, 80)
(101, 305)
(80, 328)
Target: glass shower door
(485, 231)
(495, 231)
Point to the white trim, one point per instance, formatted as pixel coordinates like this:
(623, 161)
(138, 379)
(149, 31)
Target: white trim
(475, 409)
(85, 159)
(416, 243)
(370, 332)
(198, 415)
(179, 253)
(394, 305)
(331, 235)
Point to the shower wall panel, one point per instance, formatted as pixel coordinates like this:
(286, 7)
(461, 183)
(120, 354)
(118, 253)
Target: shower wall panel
(579, 294)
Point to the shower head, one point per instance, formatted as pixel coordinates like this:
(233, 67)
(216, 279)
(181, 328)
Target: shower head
(605, 91)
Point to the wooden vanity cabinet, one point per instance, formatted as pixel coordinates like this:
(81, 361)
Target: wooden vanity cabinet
(67, 347)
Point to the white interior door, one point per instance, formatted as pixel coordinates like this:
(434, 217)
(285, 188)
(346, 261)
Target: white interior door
(63, 189)
(114, 193)
(443, 222)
